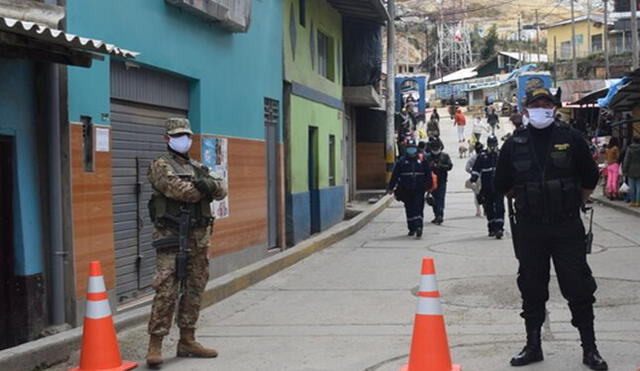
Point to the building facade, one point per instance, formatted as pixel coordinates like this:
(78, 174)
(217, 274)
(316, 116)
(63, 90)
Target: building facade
(588, 37)
(188, 67)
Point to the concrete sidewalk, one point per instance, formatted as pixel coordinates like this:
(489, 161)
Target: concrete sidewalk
(351, 307)
(62, 349)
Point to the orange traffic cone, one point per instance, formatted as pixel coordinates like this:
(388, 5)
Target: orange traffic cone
(100, 350)
(429, 347)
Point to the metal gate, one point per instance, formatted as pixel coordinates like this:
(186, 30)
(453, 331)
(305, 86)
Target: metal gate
(137, 139)
(141, 100)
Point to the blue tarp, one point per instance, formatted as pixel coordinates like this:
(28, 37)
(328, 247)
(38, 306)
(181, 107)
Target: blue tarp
(613, 90)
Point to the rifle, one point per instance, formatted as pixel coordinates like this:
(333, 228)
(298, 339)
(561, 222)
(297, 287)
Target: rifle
(184, 226)
(514, 225)
(588, 238)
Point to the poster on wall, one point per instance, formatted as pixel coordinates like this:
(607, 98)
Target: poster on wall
(214, 156)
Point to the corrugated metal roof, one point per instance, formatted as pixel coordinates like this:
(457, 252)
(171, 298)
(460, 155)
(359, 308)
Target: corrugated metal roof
(58, 37)
(463, 74)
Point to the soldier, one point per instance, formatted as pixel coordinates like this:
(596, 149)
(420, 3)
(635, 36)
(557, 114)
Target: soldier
(547, 168)
(493, 202)
(412, 177)
(180, 184)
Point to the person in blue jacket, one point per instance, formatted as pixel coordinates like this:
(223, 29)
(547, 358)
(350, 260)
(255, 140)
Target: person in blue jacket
(410, 179)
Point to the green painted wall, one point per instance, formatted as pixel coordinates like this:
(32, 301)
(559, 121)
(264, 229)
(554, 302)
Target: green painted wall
(299, 68)
(305, 113)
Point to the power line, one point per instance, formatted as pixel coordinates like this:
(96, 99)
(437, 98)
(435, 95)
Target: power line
(456, 12)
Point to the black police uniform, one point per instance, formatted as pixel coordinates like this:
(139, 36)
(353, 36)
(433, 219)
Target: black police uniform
(492, 201)
(412, 177)
(547, 169)
(441, 165)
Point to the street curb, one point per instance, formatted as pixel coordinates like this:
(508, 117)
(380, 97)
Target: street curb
(57, 348)
(617, 205)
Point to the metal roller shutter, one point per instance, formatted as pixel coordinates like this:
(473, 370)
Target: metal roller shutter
(137, 139)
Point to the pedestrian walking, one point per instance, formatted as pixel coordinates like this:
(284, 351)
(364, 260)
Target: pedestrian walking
(493, 120)
(516, 118)
(547, 168)
(492, 201)
(181, 187)
(460, 121)
(440, 163)
(410, 179)
(477, 186)
(631, 168)
(435, 115)
(478, 127)
(433, 127)
(613, 168)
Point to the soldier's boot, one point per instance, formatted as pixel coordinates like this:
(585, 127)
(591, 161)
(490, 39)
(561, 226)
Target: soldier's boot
(590, 356)
(532, 351)
(189, 347)
(154, 354)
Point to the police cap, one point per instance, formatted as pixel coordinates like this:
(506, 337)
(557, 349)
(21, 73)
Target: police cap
(539, 93)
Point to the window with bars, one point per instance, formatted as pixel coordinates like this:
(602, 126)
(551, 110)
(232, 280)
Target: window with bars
(271, 111)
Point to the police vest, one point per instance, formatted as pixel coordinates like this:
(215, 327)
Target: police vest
(161, 206)
(546, 189)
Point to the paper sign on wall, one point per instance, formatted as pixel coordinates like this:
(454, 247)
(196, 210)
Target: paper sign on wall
(214, 156)
(102, 140)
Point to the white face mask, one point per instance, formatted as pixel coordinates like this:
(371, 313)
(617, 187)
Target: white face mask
(541, 118)
(436, 151)
(180, 144)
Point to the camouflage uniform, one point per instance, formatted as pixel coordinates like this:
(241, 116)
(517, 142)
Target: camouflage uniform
(164, 179)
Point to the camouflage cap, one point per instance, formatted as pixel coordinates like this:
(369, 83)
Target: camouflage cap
(177, 126)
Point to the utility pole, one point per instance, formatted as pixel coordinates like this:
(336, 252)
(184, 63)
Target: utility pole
(589, 27)
(605, 39)
(634, 34)
(390, 153)
(537, 37)
(555, 61)
(574, 63)
(519, 44)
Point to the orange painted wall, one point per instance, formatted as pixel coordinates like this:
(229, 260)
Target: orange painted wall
(92, 214)
(246, 225)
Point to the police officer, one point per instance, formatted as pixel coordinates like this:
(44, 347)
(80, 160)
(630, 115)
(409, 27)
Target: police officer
(440, 163)
(180, 183)
(547, 168)
(410, 179)
(492, 201)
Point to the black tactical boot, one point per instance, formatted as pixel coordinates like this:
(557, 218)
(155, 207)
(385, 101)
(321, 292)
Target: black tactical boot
(419, 233)
(532, 352)
(590, 355)
(499, 234)
(411, 233)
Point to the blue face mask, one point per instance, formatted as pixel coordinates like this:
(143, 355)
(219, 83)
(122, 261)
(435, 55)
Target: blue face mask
(411, 151)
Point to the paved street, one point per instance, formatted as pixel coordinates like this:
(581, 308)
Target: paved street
(351, 306)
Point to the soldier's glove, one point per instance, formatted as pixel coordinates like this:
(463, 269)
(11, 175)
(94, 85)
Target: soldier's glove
(207, 186)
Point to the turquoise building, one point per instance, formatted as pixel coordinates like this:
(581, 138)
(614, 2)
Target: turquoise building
(219, 66)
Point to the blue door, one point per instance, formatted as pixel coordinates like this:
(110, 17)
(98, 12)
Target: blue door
(314, 191)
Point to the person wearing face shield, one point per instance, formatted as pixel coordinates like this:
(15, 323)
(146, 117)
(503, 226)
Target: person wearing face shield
(493, 202)
(410, 179)
(440, 163)
(180, 185)
(547, 168)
